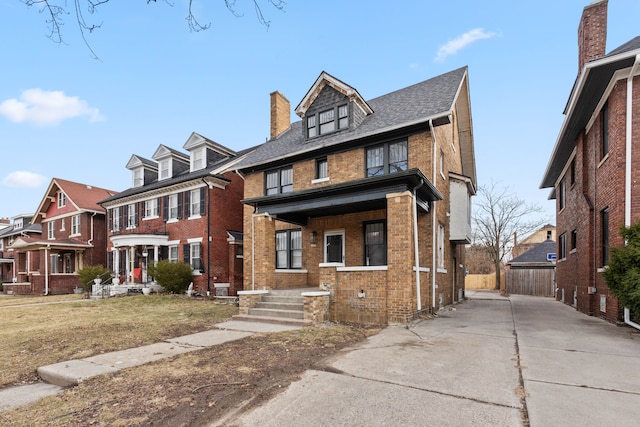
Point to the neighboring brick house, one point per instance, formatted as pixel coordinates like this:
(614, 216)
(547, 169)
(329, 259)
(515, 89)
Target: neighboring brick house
(181, 207)
(19, 225)
(73, 236)
(594, 169)
(369, 200)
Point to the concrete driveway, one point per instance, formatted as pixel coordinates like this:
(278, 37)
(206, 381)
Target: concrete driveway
(488, 361)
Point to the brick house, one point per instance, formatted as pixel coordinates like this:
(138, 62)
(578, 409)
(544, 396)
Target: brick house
(368, 200)
(180, 207)
(19, 225)
(595, 165)
(73, 236)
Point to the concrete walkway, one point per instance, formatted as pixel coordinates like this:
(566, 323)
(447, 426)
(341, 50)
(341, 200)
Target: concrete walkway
(72, 372)
(488, 361)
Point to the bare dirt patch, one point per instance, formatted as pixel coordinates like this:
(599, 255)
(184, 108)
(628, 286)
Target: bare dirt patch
(194, 389)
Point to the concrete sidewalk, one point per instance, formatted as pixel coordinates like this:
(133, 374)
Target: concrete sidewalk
(491, 360)
(72, 372)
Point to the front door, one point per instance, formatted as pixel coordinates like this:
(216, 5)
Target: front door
(334, 247)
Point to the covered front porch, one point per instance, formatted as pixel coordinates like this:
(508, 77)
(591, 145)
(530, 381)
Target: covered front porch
(131, 255)
(357, 241)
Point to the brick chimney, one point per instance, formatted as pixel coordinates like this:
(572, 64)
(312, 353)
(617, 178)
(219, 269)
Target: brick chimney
(5, 221)
(592, 33)
(280, 114)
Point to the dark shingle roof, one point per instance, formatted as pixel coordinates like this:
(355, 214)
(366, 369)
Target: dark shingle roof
(430, 99)
(537, 254)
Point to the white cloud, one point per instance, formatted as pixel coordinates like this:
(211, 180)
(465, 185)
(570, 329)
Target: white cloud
(47, 108)
(22, 179)
(453, 46)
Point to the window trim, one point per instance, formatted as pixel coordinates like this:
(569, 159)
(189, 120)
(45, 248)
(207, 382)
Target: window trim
(386, 158)
(278, 188)
(604, 236)
(385, 243)
(574, 241)
(51, 226)
(293, 254)
(562, 246)
(319, 176)
(62, 199)
(75, 225)
(337, 120)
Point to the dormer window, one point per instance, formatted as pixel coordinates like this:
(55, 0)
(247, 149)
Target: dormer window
(18, 223)
(164, 167)
(62, 200)
(197, 159)
(138, 177)
(328, 121)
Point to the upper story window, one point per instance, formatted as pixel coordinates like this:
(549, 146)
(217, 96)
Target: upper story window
(604, 235)
(138, 177)
(387, 158)
(604, 131)
(51, 226)
(562, 189)
(279, 181)
(194, 203)
(562, 246)
(151, 208)
(572, 171)
(115, 219)
(328, 121)
(75, 224)
(322, 168)
(62, 200)
(173, 206)
(440, 246)
(18, 223)
(197, 159)
(131, 213)
(574, 240)
(164, 169)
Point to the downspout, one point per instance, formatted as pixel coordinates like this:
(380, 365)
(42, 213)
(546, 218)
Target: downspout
(46, 270)
(629, 132)
(208, 238)
(433, 221)
(90, 241)
(253, 248)
(415, 243)
(629, 145)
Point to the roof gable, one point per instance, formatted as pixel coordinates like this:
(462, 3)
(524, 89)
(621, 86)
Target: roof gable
(136, 161)
(326, 79)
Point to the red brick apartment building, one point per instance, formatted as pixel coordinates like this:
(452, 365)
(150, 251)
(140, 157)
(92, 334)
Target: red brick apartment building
(181, 207)
(365, 201)
(594, 169)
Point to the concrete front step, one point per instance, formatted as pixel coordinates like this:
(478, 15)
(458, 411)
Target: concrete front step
(274, 320)
(277, 305)
(278, 298)
(269, 312)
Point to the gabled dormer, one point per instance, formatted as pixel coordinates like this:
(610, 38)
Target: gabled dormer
(331, 106)
(204, 152)
(143, 171)
(170, 162)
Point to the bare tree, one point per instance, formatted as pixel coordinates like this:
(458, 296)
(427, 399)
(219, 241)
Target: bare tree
(478, 260)
(56, 11)
(498, 214)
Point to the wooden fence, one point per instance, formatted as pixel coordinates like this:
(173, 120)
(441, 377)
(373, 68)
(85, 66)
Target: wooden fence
(536, 282)
(481, 281)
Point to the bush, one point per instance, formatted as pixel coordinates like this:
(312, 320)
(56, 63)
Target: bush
(623, 273)
(172, 276)
(90, 272)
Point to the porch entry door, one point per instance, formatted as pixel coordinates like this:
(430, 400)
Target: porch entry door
(334, 247)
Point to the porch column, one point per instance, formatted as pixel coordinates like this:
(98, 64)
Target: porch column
(264, 256)
(116, 261)
(401, 294)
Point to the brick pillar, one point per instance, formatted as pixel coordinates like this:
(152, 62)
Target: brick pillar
(401, 294)
(264, 258)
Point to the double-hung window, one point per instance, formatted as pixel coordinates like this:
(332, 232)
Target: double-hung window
(375, 243)
(138, 177)
(328, 121)
(562, 246)
(151, 208)
(387, 158)
(322, 169)
(131, 216)
(194, 202)
(51, 230)
(75, 224)
(289, 249)
(115, 219)
(604, 235)
(279, 181)
(173, 206)
(62, 200)
(164, 169)
(441, 246)
(173, 253)
(195, 258)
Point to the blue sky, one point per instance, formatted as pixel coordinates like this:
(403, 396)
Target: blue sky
(64, 114)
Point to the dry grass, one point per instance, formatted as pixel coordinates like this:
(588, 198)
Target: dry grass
(40, 331)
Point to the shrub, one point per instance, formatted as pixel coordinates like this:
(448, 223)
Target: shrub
(623, 273)
(172, 276)
(90, 272)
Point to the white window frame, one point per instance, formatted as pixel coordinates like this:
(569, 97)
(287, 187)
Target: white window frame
(62, 199)
(164, 169)
(138, 177)
(441, 266)
(172, 210)
(115, 219)
(194, 203)
(172, 253)
(151, 208)
(195, 252)
(75, 225)
(131, 216)
(325, 244)
(18, 223)
(51, 227)
(53, 264)
(197, 159)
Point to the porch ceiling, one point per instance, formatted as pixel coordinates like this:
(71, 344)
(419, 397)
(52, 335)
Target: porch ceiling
(339, 199)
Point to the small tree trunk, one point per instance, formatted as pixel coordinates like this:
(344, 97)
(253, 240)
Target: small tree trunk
(498, 275)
